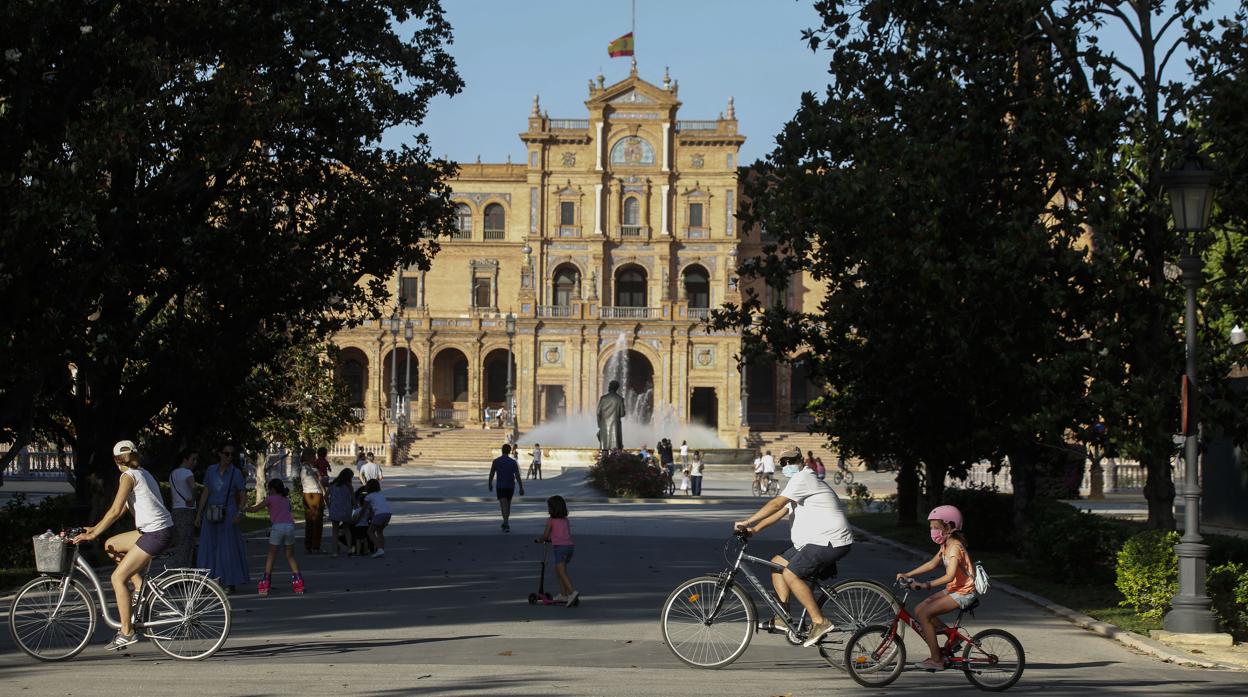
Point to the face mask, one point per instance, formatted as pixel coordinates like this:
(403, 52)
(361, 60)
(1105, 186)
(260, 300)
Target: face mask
(790, 470)
(938, 536)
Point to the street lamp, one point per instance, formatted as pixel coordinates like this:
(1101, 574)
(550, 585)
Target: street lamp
(407, 376)
(394, 364)
(511, 335)
(1190, 190)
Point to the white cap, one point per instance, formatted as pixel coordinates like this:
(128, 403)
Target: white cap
(123, 447)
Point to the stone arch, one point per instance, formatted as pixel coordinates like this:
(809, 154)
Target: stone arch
(352, 369)
(449, 377)
(565, 283)
(630, 285)
(395, 362)
(695, 282)
(494, 376)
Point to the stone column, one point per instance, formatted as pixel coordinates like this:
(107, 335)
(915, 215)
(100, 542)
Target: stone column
(474, 384)
(667, 147)
(598, 147)
(598, 209)
(663, 225)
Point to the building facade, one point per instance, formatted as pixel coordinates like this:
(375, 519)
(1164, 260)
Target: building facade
(618, 232)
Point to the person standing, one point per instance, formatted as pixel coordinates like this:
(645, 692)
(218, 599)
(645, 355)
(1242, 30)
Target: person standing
(370, 471)
(684, 453)
(313, 501)
(508, 472)
(221, 548)
(696, 467)
(322, 467)
(360, 459)
(665, 456)
(281, 535)
(182, 496)
(535, 467)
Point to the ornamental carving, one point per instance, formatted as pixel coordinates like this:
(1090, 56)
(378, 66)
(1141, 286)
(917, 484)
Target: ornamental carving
(632, 151)
(569, 159)
(704, 356)
(697, 161)
(552, 353)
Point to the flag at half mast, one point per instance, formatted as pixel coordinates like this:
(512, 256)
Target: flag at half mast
(622, 46)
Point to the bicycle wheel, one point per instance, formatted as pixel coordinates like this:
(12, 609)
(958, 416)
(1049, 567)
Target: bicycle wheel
(856, 604)
(849, 477)
(837, 478)
(755, 489)
(994, 660)
(773, 488)
(47, 636)
(198, 616)
(874, 658)
(694, 635)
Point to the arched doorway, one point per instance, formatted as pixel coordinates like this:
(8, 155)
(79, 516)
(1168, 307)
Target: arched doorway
(636, 377)
(630, 286)
(494, 386)
(697, 283)
(353, 372)
(450, 385)
(704, 407)
(404, 375)
(567, 282)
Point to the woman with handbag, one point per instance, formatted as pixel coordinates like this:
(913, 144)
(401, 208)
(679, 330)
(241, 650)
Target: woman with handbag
(220, 511)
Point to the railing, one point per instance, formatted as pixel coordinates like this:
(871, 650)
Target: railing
(495, 234)
(39, 462)
(569, 231)
(461, 234)
(699, 312)
(697, 233)
(630, 231)
(628, 312)
(569, 124)
(697, 125)
(450, 416)
(350, 448)
(557, 311)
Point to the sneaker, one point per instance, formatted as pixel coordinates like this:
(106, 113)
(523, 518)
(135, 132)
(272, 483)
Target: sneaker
(817, 632)
(379, 553)
(263, 588)
(121, 641)
(506, 527)
(297, 585)
(561, 598)
(573, 598)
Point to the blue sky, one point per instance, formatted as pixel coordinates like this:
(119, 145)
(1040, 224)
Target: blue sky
(509, 50)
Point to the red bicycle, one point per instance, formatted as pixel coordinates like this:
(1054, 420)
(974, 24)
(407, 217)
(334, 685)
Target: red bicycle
(991, 660)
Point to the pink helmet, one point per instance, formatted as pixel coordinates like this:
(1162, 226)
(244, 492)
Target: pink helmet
(947, 514)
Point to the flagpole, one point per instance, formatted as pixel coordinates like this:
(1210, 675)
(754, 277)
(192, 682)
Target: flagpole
(632, 29)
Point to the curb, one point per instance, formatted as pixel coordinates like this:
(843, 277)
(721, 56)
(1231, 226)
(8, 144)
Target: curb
(1143, 644)
(682, 501)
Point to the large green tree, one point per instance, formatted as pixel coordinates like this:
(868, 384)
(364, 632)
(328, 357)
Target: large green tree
(189, 189)
(928, 188)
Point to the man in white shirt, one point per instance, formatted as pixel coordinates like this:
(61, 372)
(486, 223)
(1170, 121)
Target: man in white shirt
(182, 496)
(369, 471)
(820, 534)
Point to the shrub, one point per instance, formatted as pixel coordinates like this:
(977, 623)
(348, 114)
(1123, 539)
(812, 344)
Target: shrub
(1148, 572)
(21, 521)
(859, 497)
(1228, 587)
(989, 518)
(620, 473)
(1067, 545)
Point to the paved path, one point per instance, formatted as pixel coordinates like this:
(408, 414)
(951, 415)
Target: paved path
(445, 613)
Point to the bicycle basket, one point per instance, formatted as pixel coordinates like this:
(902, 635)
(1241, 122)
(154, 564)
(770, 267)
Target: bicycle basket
(53, 555)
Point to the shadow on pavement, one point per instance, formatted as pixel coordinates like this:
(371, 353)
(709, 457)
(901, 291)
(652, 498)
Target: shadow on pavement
(323, 648)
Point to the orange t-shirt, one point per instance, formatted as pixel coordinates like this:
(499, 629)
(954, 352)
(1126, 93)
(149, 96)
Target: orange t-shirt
(963, 582)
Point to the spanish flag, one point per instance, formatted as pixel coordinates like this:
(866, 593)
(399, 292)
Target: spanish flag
(622, 46)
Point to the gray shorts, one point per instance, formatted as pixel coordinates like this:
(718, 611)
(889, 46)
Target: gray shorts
(964, 600)
(282, 534)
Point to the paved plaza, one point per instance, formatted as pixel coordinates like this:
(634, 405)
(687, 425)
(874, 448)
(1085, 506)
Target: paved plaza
(446, 613)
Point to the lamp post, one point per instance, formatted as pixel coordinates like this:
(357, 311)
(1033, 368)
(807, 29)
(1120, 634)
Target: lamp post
(394, 364)
(511, 335)
(1190, 191)
(407, 375)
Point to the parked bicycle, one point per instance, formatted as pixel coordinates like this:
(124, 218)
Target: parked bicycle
(708, 621)
(991, 660)
(53, 617)
(766, 486)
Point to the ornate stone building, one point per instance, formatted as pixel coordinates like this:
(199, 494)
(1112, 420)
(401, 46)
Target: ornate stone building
(620, 224)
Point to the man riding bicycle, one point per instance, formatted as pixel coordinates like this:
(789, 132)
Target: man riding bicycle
(820, 534)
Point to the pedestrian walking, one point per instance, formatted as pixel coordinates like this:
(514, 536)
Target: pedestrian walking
(360, 459)
(696, 468)
(341, 503)
(665, 456)
(220, 510)
(535, 466)
(182, 498)
(369, 471)
(281, 535)
(684, 452)
(378, 510)
(815, 464)
(558, 533)
(508, 473)
(313, 502)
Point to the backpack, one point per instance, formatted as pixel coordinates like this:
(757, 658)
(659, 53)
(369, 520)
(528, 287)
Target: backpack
(982, 583)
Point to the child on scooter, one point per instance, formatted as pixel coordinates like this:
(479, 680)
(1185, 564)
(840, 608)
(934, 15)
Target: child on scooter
(559, 533)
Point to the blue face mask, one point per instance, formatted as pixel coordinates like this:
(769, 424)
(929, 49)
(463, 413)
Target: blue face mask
(790, 470)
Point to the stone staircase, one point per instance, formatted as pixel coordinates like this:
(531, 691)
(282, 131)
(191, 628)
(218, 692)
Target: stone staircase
(775, 441)
(427, 446)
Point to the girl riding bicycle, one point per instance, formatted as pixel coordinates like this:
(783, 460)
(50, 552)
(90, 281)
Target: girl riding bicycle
(132, 551)
(959, 579)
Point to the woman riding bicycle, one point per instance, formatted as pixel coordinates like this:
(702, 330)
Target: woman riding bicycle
(132, 551)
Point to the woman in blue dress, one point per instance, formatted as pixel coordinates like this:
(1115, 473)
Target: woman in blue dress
(221, 542)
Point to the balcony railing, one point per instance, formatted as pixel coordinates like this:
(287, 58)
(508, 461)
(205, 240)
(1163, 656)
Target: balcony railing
(699, 312)
(697, 233)
(450, 416)
(461, 234)
(569, 231)
(569, 124)
(556, 311)
(495, 234)
(697, 125)
(628, 312)
(630, 231)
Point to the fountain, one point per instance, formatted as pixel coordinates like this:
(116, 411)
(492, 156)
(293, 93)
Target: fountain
(572, 441)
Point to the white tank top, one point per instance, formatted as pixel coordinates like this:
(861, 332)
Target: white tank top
(149, 510)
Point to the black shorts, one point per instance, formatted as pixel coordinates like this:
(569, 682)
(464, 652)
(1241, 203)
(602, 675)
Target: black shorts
(505, 493)
(813, 562)
(155, 542)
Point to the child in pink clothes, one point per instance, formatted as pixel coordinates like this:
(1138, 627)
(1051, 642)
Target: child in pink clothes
(559, 533)
(282, 534)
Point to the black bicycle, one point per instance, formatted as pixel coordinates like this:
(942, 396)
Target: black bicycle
(708, 621)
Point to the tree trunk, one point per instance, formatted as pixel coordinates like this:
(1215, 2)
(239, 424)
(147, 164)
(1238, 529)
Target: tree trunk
(1159, 490)
(907, 493)
(934, 492)
(1023, 479)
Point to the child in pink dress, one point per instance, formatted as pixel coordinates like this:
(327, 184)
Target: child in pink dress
(559, 533)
